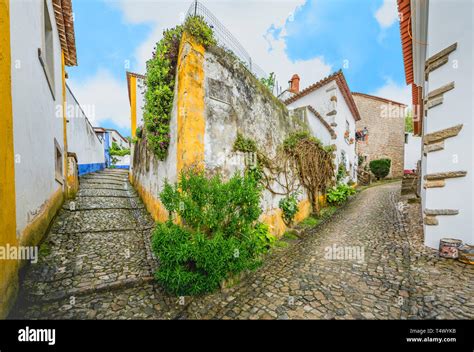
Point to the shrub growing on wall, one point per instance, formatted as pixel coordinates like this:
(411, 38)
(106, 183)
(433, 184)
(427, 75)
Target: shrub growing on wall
(380, 168)
(160, 81)
(218, 235)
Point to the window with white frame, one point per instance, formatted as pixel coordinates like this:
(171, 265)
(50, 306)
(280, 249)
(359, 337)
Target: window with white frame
(46, 52)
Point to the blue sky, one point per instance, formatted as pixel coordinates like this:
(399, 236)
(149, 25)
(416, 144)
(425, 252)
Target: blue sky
(311, 38)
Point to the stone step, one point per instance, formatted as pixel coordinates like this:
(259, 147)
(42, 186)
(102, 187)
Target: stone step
(104, 193)
(96, 220)
(75, 263)
(90, 203)
(145, 301)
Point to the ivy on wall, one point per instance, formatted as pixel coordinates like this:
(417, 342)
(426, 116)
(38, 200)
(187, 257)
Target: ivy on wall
(160, 81)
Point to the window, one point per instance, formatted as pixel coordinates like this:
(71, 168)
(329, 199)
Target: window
(46, 52)
(58, 154)
(406, 138)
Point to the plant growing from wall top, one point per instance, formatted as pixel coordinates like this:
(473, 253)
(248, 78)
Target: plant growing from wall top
(116, 150)
(269, 82)
(160, 81)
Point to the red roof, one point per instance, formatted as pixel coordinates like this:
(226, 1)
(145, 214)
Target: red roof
(341, 83)
(404, 10)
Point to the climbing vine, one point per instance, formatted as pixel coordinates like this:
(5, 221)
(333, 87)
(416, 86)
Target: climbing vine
(160, 81)
(302, 160)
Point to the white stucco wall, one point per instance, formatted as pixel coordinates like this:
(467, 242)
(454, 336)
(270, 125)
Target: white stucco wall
(81, 137)
(457, 108)
(412, 151)
(37, 116)
(320, 100)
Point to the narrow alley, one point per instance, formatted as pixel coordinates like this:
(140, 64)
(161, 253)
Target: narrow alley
(96, 264)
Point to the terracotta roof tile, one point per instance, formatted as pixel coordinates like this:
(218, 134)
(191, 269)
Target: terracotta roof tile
(65, 24)
(341, 83)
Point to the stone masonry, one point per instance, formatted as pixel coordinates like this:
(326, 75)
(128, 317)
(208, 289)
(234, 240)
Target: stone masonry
(385, 121)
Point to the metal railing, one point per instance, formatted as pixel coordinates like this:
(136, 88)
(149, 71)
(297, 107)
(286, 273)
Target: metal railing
(225, 38)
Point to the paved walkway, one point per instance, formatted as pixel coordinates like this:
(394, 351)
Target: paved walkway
(97, 264)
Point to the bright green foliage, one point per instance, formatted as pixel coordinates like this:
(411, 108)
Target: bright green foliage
(218, 236)
(289, 206)
(380, 168)
(409, 122)
(269, 82)
(341, 172)
(245, 145)
(290, 143)
(160, 81)
(337, 195)
(196, 27)
(116, 150)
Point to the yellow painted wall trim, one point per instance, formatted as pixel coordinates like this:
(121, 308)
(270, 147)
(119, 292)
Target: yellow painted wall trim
(152, 204)
(64, 94)
(191, 122)
(37, 228)
(133, 104)
(273, 218)
(8, 268)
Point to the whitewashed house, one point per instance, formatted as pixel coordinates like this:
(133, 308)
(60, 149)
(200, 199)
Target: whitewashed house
(37, 42)
(438, 46)
(332, 113)
(82, 140)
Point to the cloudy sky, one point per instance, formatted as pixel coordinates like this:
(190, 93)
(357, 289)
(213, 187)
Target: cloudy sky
(310, 37)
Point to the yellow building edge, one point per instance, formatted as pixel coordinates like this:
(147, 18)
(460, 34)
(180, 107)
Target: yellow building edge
(191, 121)
(133, 104)
(152, 204)
(8, 268)
(274, 218)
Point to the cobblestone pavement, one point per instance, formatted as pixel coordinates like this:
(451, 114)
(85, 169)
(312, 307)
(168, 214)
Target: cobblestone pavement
(96, 261)
(96, 264)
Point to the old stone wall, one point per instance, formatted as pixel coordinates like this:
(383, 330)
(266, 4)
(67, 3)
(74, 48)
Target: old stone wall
(385, 122)
(216, 98)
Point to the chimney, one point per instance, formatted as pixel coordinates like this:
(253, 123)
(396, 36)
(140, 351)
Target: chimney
(294, 84)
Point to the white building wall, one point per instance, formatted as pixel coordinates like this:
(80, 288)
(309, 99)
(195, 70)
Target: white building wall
(320, 100)
(412, 151)
(82, 139)
(319, 130)
(37, 115)
(457, 108)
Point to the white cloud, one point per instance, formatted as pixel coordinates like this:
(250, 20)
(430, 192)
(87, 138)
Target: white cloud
(249, 21)
(395, 92)
(104, 97)
(387, 14)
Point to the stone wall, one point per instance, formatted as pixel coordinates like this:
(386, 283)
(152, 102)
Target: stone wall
(216, 97)
(385, 121)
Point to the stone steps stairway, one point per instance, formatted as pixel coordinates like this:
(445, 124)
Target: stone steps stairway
(97, 248)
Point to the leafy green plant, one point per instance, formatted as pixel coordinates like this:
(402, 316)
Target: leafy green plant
(337, 195)
(116, 150)
(380, 168)
(341, 172)
(269, 82)
(289, 207)
(160, 81)
(218, 235)
(139, 132)
(243, 144)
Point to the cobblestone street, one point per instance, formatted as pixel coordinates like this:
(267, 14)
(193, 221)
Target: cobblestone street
(96, 264)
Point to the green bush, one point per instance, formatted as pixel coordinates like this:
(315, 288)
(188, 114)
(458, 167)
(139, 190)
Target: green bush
(380, 168)
(289, 207)
(337, 195)
(116, 150)
(218, 235)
